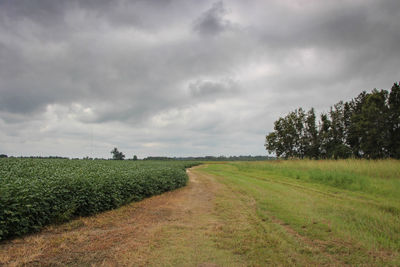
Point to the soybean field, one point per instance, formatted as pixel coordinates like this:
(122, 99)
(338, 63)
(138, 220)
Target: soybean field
(37, 192)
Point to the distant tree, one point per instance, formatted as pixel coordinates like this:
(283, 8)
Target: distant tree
(135, 157)
(3, 156)
(117, 155)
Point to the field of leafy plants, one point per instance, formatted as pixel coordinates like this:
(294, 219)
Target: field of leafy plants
(38, 192)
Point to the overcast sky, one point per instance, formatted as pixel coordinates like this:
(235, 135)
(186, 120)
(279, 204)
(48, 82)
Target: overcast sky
(181, 78)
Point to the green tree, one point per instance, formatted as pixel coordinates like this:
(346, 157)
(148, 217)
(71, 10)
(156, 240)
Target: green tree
(366, 127)
(271, 144)
(311, 137)
(374, 125)
(347, 113)
(300, 140)
(325, 136)
(117, 155)
(288, 135)
(287, 139)
(354, 127)
(338, 147)
(135, 157)
(274, 142)
(394, 121)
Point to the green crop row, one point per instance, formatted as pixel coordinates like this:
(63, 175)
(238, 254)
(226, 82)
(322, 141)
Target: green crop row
(38, 192)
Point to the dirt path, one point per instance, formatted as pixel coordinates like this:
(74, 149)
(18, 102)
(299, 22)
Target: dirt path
(129, 236)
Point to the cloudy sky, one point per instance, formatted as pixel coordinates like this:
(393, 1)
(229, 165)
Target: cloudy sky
(181, 78)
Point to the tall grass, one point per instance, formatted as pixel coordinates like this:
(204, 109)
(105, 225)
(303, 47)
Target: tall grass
(385, 169)
(378, 177)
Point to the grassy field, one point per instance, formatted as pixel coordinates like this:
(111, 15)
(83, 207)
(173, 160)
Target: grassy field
(321, 211)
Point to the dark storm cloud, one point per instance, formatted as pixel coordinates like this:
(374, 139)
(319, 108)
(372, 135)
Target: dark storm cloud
(212, 21)
(129, 66)
(174, 75)
(351, 26)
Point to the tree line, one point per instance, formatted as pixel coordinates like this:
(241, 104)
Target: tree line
(368, 126)
(213, 158)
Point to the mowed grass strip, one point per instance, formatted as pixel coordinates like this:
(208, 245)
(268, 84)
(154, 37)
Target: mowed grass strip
(222, 228)
(329, 222)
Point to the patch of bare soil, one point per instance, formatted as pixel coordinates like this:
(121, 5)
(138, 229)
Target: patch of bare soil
(123, 236)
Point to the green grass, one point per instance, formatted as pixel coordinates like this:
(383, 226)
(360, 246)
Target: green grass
(348, 210)
(377, 178)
